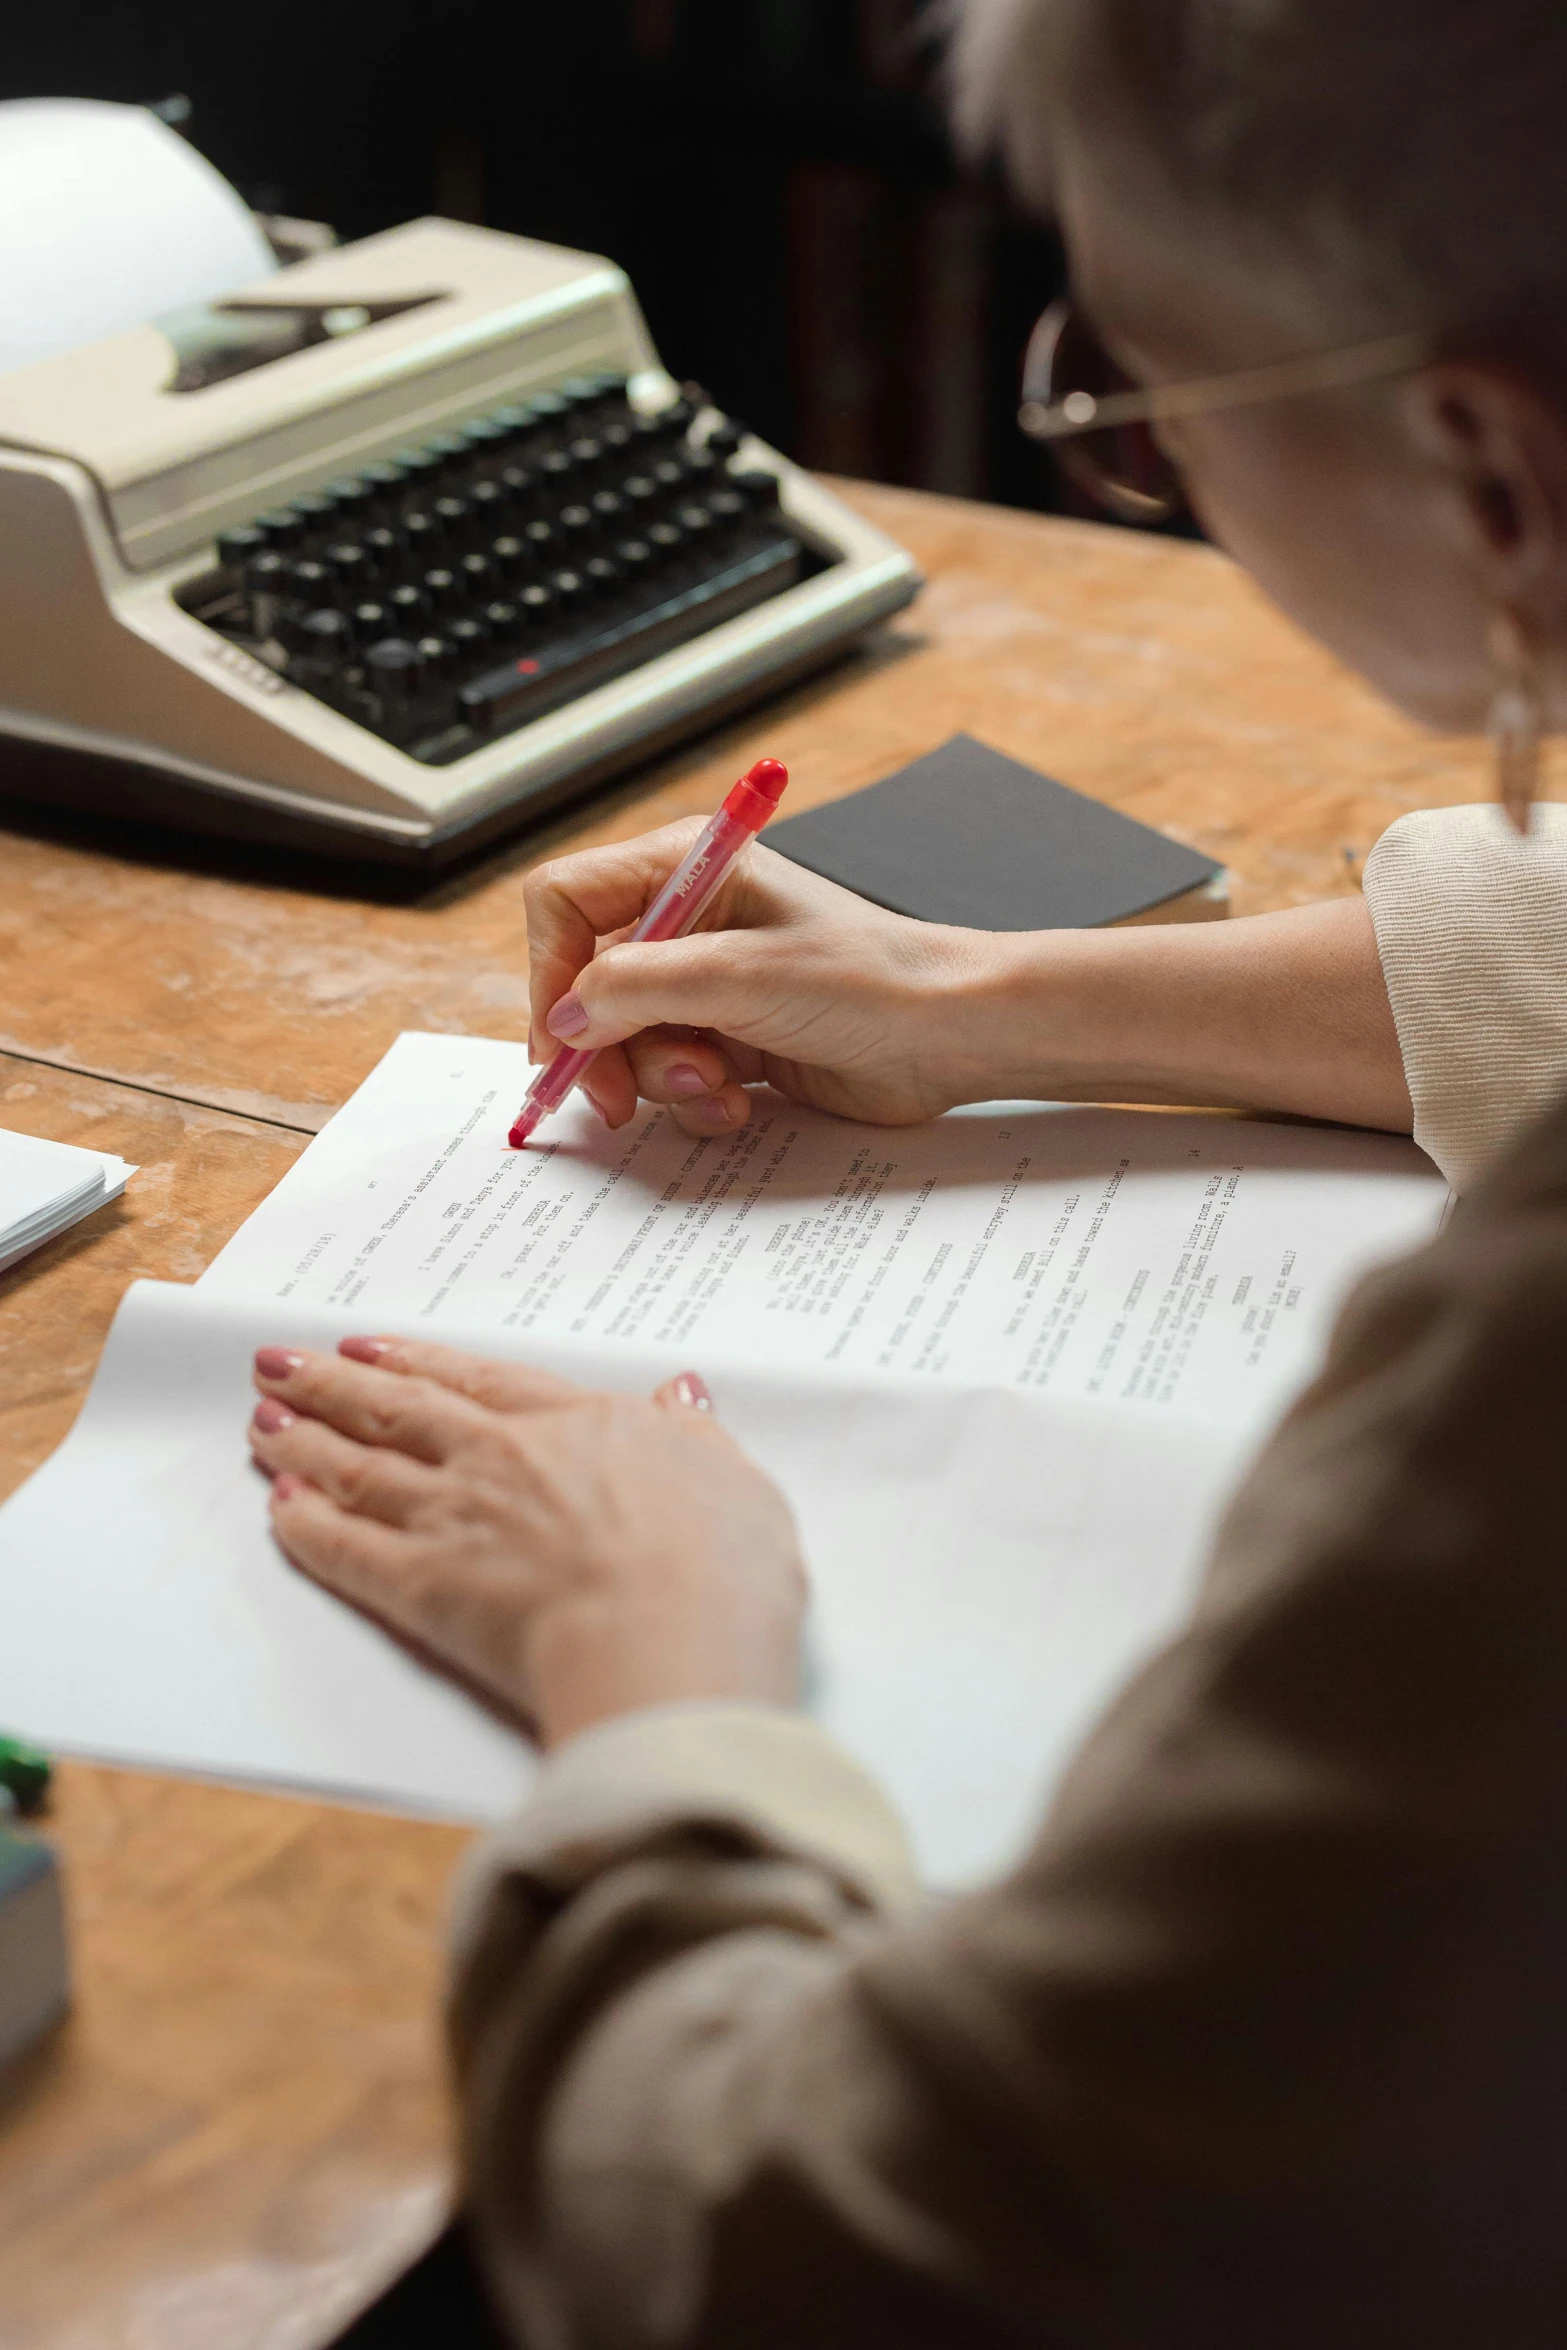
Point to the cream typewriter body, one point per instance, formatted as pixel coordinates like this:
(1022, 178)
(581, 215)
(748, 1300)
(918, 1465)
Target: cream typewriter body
(403, 546)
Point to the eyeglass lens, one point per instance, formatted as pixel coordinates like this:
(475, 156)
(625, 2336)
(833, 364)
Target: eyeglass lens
(1123, 469)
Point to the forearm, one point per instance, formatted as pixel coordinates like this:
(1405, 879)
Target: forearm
(1274, 1011)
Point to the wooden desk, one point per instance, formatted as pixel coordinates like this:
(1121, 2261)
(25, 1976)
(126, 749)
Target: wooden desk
(240, 2136)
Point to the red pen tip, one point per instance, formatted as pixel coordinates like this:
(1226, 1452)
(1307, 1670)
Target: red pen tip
(769, 777)
(527, 1119)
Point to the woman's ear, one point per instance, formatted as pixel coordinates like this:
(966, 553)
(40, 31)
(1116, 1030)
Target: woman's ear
(1496, 455)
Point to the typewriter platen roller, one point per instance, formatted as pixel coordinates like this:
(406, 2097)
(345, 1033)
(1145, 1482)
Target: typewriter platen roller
(405, 546)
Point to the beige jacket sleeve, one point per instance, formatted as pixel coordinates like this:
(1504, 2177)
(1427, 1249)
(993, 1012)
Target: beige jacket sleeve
(1264, 2042)
(1471, 926)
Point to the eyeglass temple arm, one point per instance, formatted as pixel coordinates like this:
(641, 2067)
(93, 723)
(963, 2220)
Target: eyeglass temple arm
(1322, 371)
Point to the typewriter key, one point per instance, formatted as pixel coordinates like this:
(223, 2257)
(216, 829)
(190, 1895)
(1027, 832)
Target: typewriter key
(348, 563)
(421, 534)
(452, 516)
(237, 547)
(282, 526)
(323, 634)
(268, 583)
(310, 581)
(571, 589)
(386, 479)
(477, 575)
(509, 555)
(725, 438)
(417, 466)
(405, 603)
(394, 672)
(313, 510)
(441, 588)
(467, 635)
(383, 548)
(349, 495)
(369, 621)
(488, 500)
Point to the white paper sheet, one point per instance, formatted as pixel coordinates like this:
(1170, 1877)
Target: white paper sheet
(984, 1575)
(1185, 1264)
(108, 217)
(1004, 1367)
(46, 1187)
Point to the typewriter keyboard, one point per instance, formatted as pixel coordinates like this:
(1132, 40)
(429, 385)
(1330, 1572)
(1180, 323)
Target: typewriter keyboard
(471, 584)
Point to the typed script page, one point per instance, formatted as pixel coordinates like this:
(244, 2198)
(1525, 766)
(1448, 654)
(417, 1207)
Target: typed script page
(1190, 1264)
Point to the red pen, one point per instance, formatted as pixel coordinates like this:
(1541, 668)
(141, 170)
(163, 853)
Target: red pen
(749, 806)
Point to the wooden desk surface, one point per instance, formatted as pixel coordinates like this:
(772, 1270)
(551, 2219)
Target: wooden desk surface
(240, 2135)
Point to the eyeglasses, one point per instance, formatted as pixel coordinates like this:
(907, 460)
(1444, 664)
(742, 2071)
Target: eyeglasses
(1099, 423)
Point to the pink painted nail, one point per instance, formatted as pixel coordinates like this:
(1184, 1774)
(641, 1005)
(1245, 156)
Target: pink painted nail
(684, 1080)
(569, 1017)
(271, 1417)
(276, 1362)
(284, 1487)
(365, 1350)
(692, 1390)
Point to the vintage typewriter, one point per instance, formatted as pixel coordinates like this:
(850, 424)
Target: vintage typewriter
(409, 543)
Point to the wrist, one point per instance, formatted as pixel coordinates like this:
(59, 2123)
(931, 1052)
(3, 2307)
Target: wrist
(1020, 1015)
(590, 1662)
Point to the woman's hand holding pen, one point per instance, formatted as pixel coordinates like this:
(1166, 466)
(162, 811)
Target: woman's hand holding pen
(576, 1555)
(788, 979)
(791, 980)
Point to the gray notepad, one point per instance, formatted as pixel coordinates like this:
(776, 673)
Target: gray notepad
(969, 837)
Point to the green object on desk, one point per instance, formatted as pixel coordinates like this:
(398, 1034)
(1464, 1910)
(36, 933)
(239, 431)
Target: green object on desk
(24, 1774)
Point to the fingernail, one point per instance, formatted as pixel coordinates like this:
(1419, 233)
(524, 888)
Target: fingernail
(364, 1350)
(569, 1017)
(683, 1079)
(271, 1417)
(276, 1362)
(714, 1106)
(284, 1487)
(692, 1390)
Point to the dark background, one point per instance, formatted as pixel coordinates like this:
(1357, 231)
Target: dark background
(774, 175)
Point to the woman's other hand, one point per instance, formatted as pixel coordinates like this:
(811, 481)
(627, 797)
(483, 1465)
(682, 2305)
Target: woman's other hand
(577, 1555)
(790, 980)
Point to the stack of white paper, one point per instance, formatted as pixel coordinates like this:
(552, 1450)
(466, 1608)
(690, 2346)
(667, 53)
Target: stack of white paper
(46, 1187)
(1005, 1368)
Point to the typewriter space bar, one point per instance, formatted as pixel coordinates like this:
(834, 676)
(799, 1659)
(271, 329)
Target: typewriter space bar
(525, 688)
